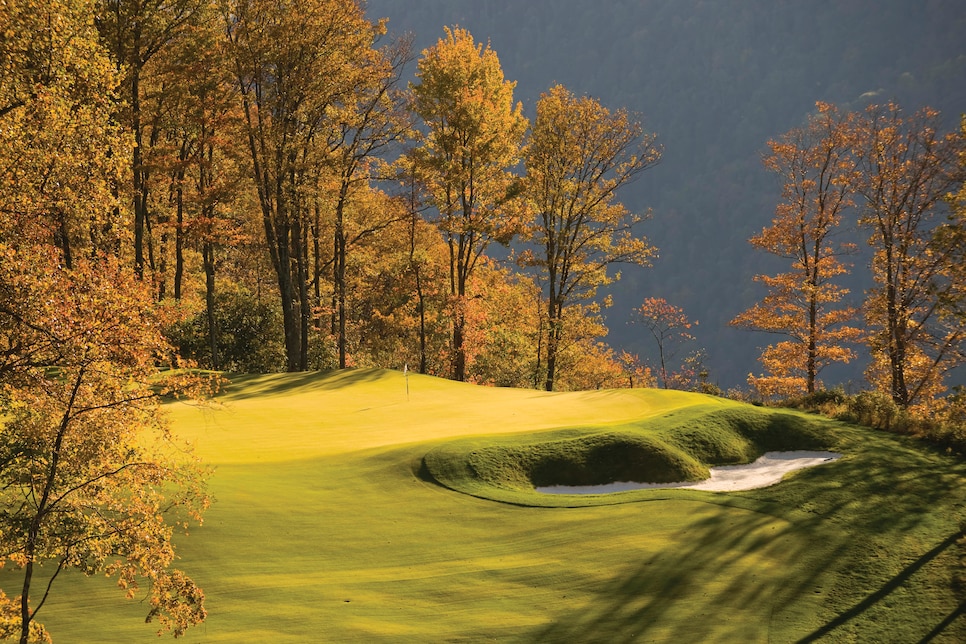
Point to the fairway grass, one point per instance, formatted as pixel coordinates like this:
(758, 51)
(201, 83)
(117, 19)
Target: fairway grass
(326, 527)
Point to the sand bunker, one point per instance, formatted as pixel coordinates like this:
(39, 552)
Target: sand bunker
(767, 470)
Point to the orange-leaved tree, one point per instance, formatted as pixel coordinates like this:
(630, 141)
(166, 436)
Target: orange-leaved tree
(136, 33)
(907, 170)
(805, 304)
(472, 139)
(670, 327)
(952, 235)
(91, 479)
(579, 155)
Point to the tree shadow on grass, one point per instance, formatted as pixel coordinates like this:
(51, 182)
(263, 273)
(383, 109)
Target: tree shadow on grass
(886, 590)
(722, 578)
(704, 586)
(247, 385)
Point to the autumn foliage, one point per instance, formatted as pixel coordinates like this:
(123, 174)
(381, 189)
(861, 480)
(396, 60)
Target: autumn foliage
(805, 303)
(670, 328)
(91, 478)
(256, 187)
(891, 175)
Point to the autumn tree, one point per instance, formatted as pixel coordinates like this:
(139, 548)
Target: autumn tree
(579, 155)
(372, 119)
(908, 168)
(952, 234)
(136, 33)
(818, 173)
(669, 326)
(472, 139)
(591, 364)
(294, 69)
(91, 476)
(502, 327)
(56, 134)
(202, 194)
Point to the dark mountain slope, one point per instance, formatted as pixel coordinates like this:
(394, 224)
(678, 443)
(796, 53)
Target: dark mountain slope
(715, 80)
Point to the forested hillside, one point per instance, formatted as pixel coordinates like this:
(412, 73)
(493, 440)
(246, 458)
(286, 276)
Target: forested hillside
(715, 81)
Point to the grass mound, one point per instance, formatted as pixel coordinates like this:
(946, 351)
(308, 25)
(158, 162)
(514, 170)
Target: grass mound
(676, 446)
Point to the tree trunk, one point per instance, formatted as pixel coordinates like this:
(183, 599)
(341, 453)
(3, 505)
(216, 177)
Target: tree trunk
(305, 308)
(554, 334)
(895, 327)
(459, 351)
(414, 266)
(137, 163)
(810, 362)
(286, 290)
(62, 239)
(208, 257)
(33, 531)
(459, 275)
(317, 265)
(179, 231)
(338, 277)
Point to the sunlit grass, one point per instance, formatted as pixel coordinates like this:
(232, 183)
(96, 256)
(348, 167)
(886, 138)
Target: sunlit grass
(324, 530)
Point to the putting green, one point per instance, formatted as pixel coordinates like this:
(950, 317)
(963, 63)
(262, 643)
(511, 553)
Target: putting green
(323, 529)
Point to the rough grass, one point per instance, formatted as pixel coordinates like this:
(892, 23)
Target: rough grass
(322, 530)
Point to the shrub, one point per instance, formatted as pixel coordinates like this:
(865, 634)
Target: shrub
(872, 409)
(249, 335)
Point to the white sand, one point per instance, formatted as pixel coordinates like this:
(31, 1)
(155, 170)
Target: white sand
(767, 470)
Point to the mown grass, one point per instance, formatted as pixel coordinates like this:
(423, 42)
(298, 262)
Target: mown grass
(323, 529)
(674, 446)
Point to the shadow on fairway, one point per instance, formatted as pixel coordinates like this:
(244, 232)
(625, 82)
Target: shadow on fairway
(282, 383)
(705, 586)
(824, 530)
(887, 589)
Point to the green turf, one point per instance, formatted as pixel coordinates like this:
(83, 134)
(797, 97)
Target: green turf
(326, 527)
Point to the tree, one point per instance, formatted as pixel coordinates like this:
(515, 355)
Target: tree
(89, 470)
(371, 121)
(670, 328)
(380, 325)
(56, 135)
(952, 234)
(207, 193)
(502, 327)
(908, 168)
(578, 156)
(473, 135)
(819, 177)
(294, 69)
(135, 32)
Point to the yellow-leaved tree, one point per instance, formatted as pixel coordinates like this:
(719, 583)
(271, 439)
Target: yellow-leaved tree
(908, 168)
(579, 154)
(297, 71)
(472, 139)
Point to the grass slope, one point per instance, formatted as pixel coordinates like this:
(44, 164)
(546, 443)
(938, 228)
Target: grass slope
(324, 531)
(674, 446)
